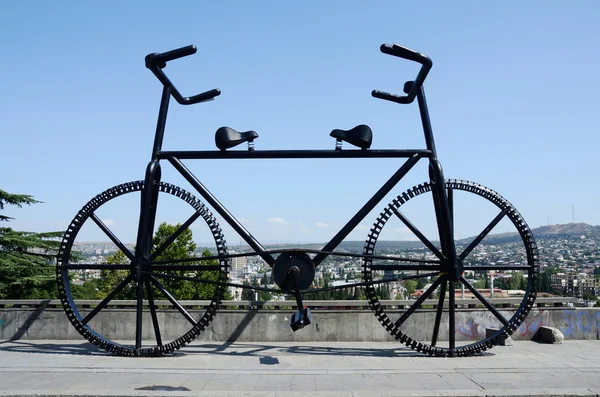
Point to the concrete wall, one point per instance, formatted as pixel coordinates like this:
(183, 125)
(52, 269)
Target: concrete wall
(273, 325)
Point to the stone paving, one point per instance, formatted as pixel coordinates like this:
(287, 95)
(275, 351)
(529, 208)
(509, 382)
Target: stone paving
(52, 368)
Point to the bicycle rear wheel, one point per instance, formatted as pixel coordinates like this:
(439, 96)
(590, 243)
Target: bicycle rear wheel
(162, 319)
(497, 241)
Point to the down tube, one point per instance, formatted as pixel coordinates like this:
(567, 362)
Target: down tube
(368, 207)
(212, 200)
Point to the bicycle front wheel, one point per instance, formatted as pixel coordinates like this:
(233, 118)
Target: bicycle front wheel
(498, 256)
(104, 297)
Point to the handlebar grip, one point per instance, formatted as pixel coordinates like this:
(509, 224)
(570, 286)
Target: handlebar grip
(178, 53)
(160, 60)
(205, 96)
(406, 53)
(390, 97)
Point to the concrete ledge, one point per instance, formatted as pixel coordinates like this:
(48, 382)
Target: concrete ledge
(270, 325)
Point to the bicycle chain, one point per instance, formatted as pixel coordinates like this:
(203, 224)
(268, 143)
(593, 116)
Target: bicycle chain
(514, 322)
(64, 289)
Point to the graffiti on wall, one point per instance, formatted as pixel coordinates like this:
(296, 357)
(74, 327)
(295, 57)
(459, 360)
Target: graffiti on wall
(580, 324)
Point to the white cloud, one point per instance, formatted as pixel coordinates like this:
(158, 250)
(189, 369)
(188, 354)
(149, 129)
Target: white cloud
(321, 225)
(109, 222)
(361, 227)
(276, 221)
(403, 230)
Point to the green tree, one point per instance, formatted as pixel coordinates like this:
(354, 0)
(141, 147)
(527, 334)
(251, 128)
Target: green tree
(515, 281)
(247, 293)
(26, 258)
(182, 248)
(421, 283)
(410, 286)
(588, 296)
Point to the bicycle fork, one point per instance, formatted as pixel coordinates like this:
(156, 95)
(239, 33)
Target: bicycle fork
(443, 213)
(141, 263)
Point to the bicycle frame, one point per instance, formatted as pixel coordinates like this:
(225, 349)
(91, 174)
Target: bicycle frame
(293, 270)
(153, 174)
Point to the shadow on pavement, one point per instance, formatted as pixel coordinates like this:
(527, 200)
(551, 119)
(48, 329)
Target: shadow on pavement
(260, 350)
(66, 347)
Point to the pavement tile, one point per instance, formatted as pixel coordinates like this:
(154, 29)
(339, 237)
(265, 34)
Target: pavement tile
(579, 392)
(335, 369)
(524, 392)
(325, 383)
(462, 393)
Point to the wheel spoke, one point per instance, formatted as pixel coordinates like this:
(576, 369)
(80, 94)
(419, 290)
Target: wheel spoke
(416, 276)
(173, 301)
(487, 304)
(451, 318)
(482, 235)
(96, 266)
(213, 282)
(111, 236)
(418, 302)
(174, 236)
(373, 282)
(403, 267)
(418, 233)
(187, 267)
(438, 315)
(105, 301)
(153, 313)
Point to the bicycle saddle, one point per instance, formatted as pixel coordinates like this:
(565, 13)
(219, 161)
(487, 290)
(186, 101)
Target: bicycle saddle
(226, 137)
(360, 136)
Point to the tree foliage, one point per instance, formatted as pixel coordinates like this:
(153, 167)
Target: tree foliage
(26, 258)
(410, 286)
(182, 248)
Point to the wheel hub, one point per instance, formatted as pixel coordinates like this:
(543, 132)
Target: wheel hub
(300, 263)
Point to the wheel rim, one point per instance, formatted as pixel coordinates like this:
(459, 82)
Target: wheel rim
(442, 319)
(88, 321)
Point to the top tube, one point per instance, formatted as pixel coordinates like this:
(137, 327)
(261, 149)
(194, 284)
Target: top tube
(295, 154)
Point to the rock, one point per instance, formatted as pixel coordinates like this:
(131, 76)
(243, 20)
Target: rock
(548, 335)
(500, 342)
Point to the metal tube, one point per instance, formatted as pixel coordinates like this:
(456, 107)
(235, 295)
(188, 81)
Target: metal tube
(294, 154)
(162, 121)
(360, 215)
(229, 218)
(426, 121)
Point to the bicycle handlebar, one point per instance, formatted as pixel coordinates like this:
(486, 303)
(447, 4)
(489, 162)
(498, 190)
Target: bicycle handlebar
(411, 55)
(156, 62)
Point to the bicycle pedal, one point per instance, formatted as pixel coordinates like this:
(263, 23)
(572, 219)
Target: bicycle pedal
(300, 319)
(307, 316)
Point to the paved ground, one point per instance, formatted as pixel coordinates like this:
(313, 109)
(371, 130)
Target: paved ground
(334, 369)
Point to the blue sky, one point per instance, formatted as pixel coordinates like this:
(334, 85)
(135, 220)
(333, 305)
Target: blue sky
(512, 94)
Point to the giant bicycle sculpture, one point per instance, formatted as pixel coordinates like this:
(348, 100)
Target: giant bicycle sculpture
(293, 270)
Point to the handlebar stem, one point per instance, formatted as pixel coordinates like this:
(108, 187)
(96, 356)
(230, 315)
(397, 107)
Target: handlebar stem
(157, 62)
(411, 55)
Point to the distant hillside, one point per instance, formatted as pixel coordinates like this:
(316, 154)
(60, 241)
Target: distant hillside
(568, 229)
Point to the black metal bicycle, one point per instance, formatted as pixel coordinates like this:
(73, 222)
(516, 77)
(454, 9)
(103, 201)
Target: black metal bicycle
(442, 265)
